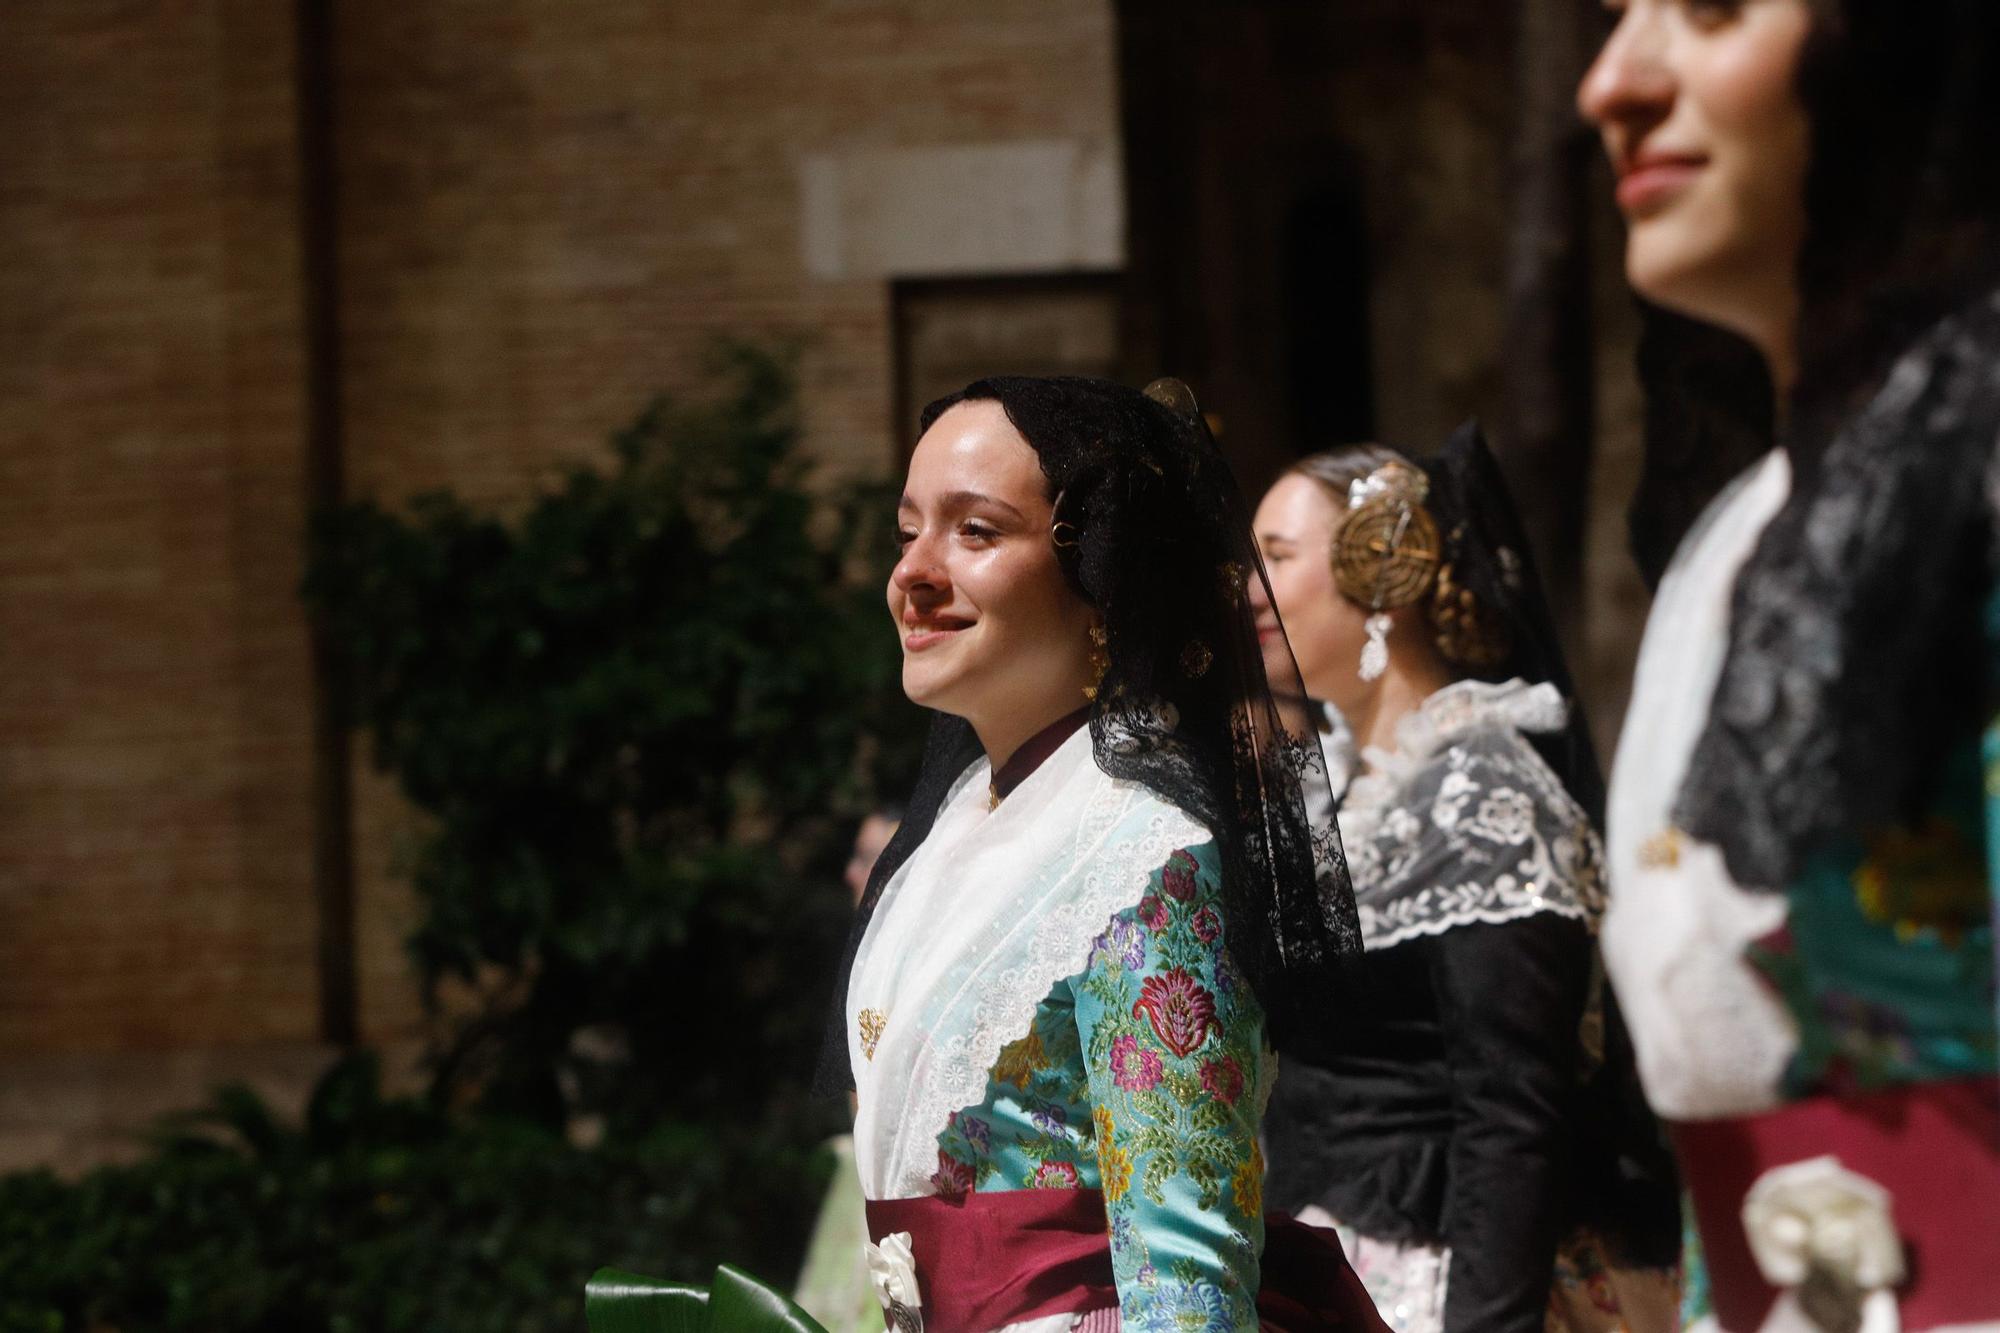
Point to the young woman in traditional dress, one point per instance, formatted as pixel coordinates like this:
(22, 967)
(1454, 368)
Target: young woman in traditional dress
(1476, 1138)
(1106, 902)
(1801, 833)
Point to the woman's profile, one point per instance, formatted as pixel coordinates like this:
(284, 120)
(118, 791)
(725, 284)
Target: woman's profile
(1802, 810)
(1475, 1133)
(1106, 901)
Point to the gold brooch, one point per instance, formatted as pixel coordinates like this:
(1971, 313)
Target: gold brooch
(1662, 851)
(872, 1021)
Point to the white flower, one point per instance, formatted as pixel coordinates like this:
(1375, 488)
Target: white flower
(1453, 793)
(1399, 825)
(1506, 816)
(1818, 1215)
(892, 1272)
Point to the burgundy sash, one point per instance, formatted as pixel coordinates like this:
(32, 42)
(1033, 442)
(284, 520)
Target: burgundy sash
(1934, 1146)
(989, 1259)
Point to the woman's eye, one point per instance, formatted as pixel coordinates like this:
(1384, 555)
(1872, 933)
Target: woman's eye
(978, 532)
(904, 536)
(1711, 13)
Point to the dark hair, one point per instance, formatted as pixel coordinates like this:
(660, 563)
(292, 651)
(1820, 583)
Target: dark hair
(1902, 188)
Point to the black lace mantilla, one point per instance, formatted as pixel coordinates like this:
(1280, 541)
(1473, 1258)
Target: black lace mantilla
(1855, 653)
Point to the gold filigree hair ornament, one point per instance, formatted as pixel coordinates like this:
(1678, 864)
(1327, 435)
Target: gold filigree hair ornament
(1387, 552)
(1174, 395)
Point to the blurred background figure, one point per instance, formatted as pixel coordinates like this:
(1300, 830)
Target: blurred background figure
(1803, 811)
(833, 1283)
(1476, 1133)
(869, 839)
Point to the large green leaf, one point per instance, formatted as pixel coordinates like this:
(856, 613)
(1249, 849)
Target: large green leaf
(621, 1302)
(616, 1301)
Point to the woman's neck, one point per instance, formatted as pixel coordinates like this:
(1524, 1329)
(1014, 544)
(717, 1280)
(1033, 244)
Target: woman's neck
(1012, 769)
(1400, 692)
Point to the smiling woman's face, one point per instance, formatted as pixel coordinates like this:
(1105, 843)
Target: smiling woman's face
(1698, 105)
(992, 632)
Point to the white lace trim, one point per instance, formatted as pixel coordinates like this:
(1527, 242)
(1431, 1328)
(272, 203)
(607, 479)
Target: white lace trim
(1465, 792)
(1463, 905)
(961, 1064)
(973, 933)
(1460, 707)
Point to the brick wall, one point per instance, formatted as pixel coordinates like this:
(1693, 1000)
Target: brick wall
(548, 210)
(155, 746)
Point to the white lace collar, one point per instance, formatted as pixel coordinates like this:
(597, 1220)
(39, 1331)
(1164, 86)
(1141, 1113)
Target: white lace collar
(1459, 708)
(997, 905)
(1463, 822)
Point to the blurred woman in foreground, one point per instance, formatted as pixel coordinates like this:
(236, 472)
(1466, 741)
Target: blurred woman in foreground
(1105, 903)
(1466, 1131)
(1800, 828)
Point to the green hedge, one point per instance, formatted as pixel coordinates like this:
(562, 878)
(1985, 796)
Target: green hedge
(638, 719)
(641, 718)
(387, 1215)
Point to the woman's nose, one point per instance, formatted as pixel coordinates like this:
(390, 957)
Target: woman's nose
(1630, 81)
(917, 569)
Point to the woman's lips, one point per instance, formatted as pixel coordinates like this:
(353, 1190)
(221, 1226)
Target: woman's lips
(1652, 183)
(930, 634)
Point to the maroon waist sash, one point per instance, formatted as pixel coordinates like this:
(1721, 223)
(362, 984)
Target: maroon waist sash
(1934, 1146)
(989, 1259)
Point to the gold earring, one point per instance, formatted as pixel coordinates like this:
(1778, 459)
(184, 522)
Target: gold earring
(1100, 661)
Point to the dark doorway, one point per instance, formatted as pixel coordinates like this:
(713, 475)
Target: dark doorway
(1248, 267)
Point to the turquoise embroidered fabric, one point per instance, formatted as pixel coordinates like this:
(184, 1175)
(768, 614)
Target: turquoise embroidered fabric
(1143, 1076)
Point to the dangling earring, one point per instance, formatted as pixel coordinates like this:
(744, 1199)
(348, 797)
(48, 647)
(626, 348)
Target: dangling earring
(1100, 661)
(1375, 652)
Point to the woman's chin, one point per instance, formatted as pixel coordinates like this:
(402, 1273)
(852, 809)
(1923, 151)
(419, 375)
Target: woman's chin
(927, 688)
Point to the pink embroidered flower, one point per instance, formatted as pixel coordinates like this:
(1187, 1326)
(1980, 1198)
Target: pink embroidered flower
(1153, 911)
(1180, 1011)
(1133, 1069)
(953, 1178)
(1178, 877)
(1223, 1078)
(1207, 925)
(1056, 1176)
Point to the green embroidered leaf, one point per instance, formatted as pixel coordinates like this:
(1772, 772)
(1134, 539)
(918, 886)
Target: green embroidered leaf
(1154, 1180)
(1152, 1105)
(1214, 1149)
(1211, 1115)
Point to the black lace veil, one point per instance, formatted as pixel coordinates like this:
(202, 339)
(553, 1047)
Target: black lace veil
(1151, 529)
(1489, 555)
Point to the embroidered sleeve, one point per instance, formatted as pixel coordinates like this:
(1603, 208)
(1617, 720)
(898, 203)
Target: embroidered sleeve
(1484, 833)
(1173, 1046)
